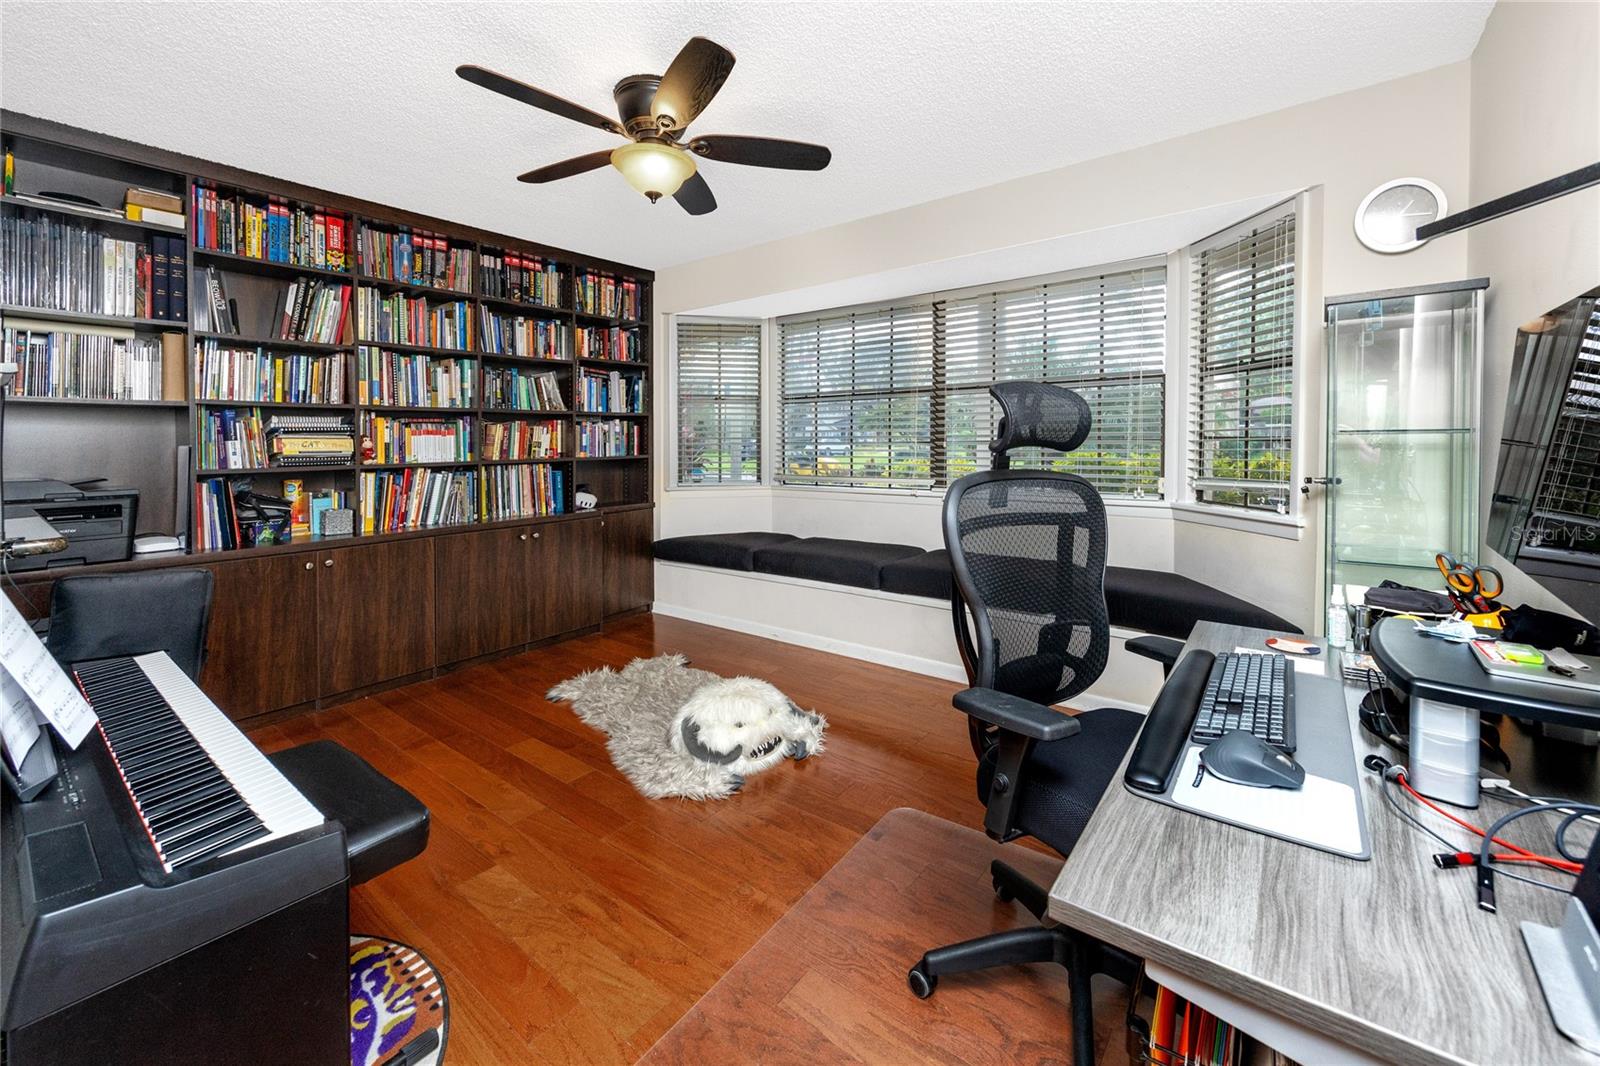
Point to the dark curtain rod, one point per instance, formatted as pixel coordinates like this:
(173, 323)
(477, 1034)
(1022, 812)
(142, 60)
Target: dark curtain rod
(1581, 178)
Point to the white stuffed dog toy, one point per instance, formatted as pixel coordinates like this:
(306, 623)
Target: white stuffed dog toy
(741, 726)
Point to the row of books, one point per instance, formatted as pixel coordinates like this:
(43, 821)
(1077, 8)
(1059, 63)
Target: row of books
(523, 492)
(396, 379)
(395, 318)
(611, 391)
(511, 388)
(525, 279)
(387, 439)
(600, 342)
(600, 294)
(83, 364)
(532, 338)
(610, 439)
(524, 440)
(59, 265)
(418, 258)
(1182, 1034)
(231, 439)
(310, 440)
(270, 229)
(418, 498)
(223, 372)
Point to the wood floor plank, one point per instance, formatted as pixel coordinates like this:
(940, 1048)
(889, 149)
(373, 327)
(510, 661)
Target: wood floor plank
(576, 921)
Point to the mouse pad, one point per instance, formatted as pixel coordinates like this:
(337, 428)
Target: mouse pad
(1327, 813)
(1323, 813)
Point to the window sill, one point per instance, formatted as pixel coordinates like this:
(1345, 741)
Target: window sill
(1289, 526)
(732, 487)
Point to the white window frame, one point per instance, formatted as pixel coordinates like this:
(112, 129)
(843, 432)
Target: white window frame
(1171, 441)
(670, 482)
(1185, 506)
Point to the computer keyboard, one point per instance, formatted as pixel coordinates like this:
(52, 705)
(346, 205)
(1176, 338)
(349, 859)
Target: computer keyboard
(1250, 692)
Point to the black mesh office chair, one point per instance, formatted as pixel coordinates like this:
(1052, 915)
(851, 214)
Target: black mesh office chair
(1028, 548)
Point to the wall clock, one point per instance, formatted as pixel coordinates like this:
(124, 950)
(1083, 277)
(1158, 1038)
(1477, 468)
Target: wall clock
(1388, 218)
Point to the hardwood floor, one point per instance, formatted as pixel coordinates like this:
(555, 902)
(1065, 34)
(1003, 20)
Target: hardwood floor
(576, 921)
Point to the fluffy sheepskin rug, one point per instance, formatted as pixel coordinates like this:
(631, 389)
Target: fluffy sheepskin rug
(676, 731)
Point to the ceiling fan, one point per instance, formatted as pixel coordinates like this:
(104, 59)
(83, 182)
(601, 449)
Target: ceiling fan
(655, 110)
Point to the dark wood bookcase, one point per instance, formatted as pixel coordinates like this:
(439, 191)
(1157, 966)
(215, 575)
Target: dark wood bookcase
(387, 606)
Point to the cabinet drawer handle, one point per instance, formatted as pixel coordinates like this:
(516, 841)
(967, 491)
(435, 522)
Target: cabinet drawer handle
(308, 566)
(536, 536)
(522, 536)
(327, 562)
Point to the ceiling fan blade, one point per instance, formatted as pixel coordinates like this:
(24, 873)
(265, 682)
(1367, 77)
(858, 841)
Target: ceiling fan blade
(567, 167)
(690, 82)
(527, 94)
(694, 196)
(761, 152)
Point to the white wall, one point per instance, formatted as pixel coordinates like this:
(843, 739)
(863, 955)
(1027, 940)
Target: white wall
(1340, 147)
(1535, 115)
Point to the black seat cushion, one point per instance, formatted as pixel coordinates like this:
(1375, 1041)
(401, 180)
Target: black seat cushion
(731, 551)
(1063, 780)
(842, 562)
(927, 574)
(384, 825)
(1154, 601)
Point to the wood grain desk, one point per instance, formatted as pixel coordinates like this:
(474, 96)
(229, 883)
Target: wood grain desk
(1388, 959)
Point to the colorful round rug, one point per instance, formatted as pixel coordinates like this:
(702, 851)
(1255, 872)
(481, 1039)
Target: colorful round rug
(399, 1011)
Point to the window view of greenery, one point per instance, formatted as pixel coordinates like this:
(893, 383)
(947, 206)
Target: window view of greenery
(897, 396)
(1244, 368)
(719, 402)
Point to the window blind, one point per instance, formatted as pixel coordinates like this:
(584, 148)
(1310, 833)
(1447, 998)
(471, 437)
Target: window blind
(1566, 507)
(857, 397)
(1242, 297)
(1102, 336)
(719, 402)
(896, 396)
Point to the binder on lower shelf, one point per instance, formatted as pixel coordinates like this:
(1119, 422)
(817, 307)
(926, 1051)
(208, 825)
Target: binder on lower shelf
(1164, 1029)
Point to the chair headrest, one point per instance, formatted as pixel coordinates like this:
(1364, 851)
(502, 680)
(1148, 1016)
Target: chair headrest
(1034, 415)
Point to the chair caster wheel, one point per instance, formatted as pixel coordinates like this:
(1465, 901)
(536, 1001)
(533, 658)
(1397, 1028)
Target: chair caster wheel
(1002, 891)
(922, 984)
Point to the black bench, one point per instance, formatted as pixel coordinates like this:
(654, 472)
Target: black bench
(1149, 601)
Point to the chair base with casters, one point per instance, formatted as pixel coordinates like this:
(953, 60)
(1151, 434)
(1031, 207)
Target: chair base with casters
(384, 825)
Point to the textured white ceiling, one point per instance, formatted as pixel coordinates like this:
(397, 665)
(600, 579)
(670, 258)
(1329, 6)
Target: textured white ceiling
(917, 101)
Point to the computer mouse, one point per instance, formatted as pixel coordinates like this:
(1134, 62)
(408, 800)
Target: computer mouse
(1245, 759)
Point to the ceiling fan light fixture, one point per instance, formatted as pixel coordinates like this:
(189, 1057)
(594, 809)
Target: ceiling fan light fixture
(654, 169)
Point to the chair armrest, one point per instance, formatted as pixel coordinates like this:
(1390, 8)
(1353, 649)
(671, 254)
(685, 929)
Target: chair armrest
(1163, 650)
(1016, 715)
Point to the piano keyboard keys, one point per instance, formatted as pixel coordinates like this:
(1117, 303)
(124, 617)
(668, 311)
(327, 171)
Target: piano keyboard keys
(199, 786)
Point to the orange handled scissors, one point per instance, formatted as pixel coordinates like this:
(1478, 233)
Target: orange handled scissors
(1471, 587)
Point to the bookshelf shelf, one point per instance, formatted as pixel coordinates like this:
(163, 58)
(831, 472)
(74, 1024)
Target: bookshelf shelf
(590, 316)
(525, 360)
(526, 462)
(613, 414)
(270, 342)
(90, 213)
(373, 281)
(609, 458)
(454, 464)
(525, 307)
(286, 471)
(619, 364)
(421, 349)
(271, 267)
(84, 318)
(276, 405)
(422, 409)
(81, 401)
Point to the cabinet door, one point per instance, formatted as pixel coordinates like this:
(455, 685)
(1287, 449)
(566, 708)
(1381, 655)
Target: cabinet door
(564, 577)
(630, 570)
(480, 605)
(261, 650)
(374, 613)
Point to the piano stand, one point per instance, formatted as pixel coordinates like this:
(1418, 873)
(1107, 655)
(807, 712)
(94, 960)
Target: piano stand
(384, 825)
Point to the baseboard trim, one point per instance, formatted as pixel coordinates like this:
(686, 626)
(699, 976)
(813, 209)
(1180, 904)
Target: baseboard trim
(915, 664)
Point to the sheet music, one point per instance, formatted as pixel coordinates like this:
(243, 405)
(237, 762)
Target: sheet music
(18, 726)
(25, 658)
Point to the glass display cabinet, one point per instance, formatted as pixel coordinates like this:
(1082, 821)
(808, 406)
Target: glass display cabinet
(1403, 440)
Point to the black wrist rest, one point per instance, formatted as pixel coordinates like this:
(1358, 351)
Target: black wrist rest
(1166, 728)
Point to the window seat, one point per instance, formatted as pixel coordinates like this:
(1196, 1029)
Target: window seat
(1149, 601)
